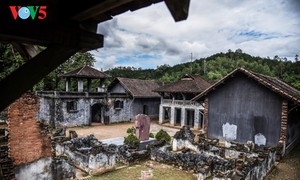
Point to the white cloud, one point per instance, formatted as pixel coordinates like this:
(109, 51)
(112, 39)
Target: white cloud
(260, 28)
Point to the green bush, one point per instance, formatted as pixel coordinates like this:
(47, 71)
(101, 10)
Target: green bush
(131, 130)
(132, 141)
(151, 135)
(163, 135)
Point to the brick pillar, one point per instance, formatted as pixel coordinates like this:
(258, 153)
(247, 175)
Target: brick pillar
(205, 116)
(27, 141)
(284, 118)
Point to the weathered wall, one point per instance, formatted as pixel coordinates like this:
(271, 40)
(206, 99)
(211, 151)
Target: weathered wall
(242, 110)
(27, 141)
(46, 109)
(118, 88)
(152, 104)
(3, 115)
(119, 115)
(40, 169)
(79, 117)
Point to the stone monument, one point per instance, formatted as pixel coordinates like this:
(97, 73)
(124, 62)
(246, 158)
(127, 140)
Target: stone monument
(142, 126)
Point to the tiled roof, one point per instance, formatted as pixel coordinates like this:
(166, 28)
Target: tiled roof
(85, 72)
(187, 84)
(137, 87)
(278, 86)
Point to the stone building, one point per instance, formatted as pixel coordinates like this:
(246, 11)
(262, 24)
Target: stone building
(124, 99)
(176, 106)
(137, 98)
(246, 106)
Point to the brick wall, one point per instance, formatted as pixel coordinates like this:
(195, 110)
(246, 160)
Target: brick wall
(205, 116)
(284, 117)
(27, 141)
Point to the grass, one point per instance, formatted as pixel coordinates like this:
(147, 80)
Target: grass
(159, 171)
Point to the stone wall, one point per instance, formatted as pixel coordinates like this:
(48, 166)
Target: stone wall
(3, 116)
(120, 114)
(89, 154)
(27, 141)
(39, 169)
(208, 159)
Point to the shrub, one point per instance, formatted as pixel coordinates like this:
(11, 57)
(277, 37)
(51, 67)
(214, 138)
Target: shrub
(163, 135)
(131, 130)
(132, 141)
(151, 135)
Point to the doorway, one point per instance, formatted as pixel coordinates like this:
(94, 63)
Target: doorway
(190, 117)
(177, 116)
(97, 113)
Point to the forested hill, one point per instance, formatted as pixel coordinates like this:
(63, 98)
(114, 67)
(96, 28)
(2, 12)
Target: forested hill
(217, 66)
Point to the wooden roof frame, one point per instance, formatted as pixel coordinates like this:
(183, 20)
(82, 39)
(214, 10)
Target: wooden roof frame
(70, 26)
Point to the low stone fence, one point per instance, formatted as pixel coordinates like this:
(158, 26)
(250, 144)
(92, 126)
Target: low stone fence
(207, 159)
(89, 154)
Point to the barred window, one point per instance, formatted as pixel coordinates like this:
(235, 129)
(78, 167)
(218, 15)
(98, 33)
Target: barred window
(71, 106)
(118, 104)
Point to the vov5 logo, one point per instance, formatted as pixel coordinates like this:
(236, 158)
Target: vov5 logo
(28, 11)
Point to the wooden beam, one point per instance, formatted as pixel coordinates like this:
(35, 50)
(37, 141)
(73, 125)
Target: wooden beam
(99, 8)
(24, 78)
(46, 35)
(27, 51)
(178, 8)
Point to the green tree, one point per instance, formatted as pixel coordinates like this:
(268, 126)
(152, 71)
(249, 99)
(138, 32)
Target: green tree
(53, 82)
(10, 60)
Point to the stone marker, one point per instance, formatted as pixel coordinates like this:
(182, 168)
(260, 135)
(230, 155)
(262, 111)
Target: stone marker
(142, 126)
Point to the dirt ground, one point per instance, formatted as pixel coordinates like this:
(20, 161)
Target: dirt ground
(116, 130)
(287, 169)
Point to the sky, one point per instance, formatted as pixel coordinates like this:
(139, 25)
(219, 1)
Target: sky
(149, 37)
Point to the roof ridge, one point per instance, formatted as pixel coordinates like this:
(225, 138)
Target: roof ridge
(81, 69)
(263, 81)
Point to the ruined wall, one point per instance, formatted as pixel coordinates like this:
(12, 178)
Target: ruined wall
(78, 117)
(242, 110)
(3, 116)
(120, 114)
(89, 154)
(46, 109)
(27, 141)
(152, 107)
(40, 169)
(54, 111)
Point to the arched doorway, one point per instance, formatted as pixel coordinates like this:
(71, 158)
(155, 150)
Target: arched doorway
(97, 113)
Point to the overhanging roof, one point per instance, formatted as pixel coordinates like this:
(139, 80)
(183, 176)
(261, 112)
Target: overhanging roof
(69, 27)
